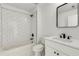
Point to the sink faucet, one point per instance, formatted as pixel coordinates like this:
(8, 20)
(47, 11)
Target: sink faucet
(69, 37)
(63, 35)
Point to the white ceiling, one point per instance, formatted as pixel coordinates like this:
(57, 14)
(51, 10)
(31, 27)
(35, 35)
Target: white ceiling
(25, 6)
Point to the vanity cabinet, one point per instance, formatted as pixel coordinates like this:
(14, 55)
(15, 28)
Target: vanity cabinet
(53, 48)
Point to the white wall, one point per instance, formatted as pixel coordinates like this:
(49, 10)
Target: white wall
(47, 22)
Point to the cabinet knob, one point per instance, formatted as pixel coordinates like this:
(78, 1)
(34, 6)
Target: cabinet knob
(57, 53)
(54, 52)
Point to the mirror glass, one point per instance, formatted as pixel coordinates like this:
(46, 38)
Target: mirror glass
(67, 15)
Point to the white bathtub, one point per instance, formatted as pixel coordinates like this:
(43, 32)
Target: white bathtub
(25, 50)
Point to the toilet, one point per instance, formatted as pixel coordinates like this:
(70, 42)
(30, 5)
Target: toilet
(37, 49)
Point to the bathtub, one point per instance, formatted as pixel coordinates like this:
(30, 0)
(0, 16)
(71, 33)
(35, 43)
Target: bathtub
(25, 50)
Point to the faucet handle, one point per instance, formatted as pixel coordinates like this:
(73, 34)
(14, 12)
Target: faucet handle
(64, 35)
(60, 36)
(69, 37)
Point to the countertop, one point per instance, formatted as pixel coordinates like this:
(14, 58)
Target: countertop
(74, 43)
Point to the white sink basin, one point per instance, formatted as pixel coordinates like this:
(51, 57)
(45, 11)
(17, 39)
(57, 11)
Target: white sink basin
(64, 40)
(72, 42)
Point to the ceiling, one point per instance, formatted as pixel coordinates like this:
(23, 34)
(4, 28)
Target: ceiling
(25, 6)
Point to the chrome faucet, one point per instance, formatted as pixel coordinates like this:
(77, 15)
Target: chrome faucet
(69, 37)
(63, 35)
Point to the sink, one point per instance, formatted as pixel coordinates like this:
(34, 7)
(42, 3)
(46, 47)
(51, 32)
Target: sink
(64, 40)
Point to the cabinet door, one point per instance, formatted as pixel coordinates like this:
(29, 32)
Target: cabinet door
(16, 28)
(49, 51)
(58, 52)
(69, 51)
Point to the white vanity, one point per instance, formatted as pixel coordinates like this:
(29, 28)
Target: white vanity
(61, 47)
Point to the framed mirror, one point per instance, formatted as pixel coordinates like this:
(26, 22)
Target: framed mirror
(67, 15)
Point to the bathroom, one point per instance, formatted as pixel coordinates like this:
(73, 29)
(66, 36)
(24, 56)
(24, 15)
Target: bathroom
(36, 29)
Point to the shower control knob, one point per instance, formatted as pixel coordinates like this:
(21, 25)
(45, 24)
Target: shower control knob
(31, 38)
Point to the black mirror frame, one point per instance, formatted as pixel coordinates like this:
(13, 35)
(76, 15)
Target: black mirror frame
(57, 17)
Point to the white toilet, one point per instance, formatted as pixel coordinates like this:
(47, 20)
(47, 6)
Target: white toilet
(38, 49)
